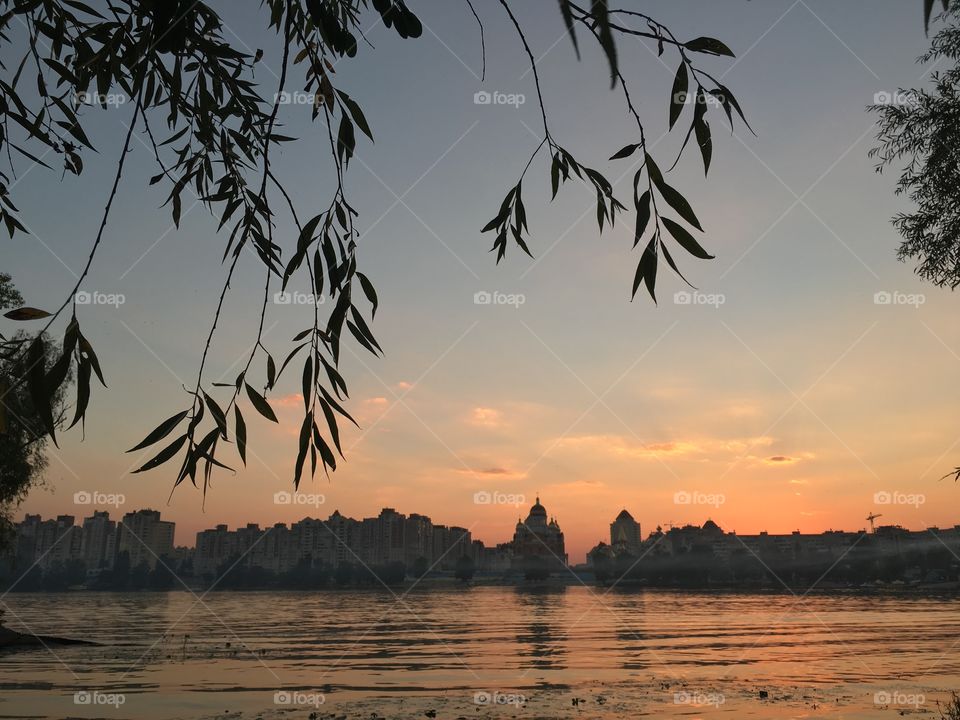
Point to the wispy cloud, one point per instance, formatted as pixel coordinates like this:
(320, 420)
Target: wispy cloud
(485, 417)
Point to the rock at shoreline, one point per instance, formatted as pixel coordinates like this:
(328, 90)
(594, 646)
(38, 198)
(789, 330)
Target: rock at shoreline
(12, 639)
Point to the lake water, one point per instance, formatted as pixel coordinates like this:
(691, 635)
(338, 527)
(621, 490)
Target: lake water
(481, 652)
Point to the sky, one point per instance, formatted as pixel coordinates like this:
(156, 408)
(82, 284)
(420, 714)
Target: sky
(793, 401)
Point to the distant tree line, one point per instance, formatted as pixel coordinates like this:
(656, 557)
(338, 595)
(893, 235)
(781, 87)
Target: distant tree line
(774, 568)
(232, 574)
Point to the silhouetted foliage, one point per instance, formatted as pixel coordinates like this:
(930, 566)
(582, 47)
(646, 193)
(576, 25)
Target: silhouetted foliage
(23, 427)
(420, 567)
(921, 128)
(464, 569)
(535, 568)
(210, 126)
(950, 710)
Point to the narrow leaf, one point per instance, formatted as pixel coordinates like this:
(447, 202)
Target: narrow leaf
(160, 432)
(686, 240)
(260, 403)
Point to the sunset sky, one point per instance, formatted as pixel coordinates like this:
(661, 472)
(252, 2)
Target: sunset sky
(795, 401)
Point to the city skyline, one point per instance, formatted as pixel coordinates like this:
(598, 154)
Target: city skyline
(308, 505)
(140, 551)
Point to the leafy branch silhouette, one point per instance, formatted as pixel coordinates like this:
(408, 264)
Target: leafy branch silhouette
(210, 128)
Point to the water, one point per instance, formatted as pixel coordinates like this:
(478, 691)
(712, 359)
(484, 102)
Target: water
(655, 653)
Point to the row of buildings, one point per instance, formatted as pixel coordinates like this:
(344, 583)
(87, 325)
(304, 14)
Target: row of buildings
(98, 541)
(935, 550)
(392, 537)
(389, 538)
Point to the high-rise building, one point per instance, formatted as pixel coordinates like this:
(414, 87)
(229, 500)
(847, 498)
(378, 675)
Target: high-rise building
(345, 532)
(213, 548)
(311, 540)
(145, 537)
(99, 541)
(625, 534)
(417, 538)
(49, 542)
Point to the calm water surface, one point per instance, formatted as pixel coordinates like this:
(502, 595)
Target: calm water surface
(622, 654)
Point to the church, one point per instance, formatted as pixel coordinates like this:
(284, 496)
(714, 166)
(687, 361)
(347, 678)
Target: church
(538, 542)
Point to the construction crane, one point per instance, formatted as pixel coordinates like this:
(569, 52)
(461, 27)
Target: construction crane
(870, 518)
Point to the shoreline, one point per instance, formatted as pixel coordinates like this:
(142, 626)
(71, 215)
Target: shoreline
(445, 584)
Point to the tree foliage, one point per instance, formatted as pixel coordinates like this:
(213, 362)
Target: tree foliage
(23, 433)
(211, 125)
(921, 128)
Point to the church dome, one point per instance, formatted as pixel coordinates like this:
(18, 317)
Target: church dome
(538, 510)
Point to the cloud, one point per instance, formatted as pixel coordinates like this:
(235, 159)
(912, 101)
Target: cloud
(485, 417)
(494, 471)
(620, 446)
(378, 401)
(784, 460)
(294, 399)
(739, 410)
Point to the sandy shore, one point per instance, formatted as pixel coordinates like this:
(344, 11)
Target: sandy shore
(621, 701)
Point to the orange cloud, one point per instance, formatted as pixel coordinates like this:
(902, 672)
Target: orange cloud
(485, 417)
(294, 399)
(620, 446)
(494, 471)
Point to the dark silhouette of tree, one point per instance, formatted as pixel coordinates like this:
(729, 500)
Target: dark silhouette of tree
(535, 568)
(23, 435)
(420, 567)
(464, 569)
(211, 126)
(921, 128)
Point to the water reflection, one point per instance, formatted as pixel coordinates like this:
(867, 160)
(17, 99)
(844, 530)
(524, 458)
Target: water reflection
(542, 638)
(462, 640)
